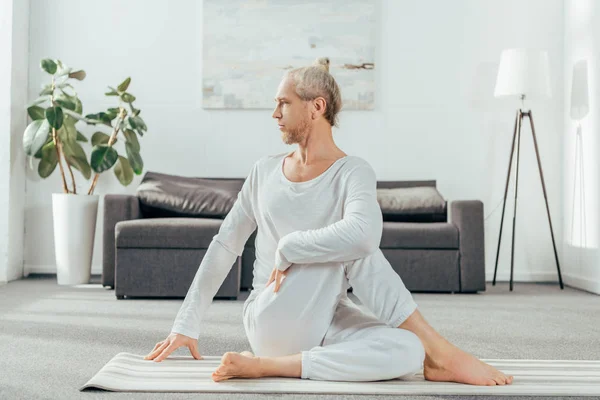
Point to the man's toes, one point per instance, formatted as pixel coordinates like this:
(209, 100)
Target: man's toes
(221, 370)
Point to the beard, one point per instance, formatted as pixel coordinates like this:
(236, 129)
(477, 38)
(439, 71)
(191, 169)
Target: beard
(297, 133)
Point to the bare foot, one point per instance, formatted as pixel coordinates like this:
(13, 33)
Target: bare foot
(237, 365)
(455, 365)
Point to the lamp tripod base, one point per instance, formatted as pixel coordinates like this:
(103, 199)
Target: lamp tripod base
(517, 138)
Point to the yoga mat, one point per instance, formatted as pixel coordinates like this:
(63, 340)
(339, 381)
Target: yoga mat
(127, 372)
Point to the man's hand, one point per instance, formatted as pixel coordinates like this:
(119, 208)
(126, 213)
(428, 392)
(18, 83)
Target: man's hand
(277, 276)
(170, 344)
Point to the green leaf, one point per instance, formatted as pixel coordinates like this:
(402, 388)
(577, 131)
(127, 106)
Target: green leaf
(124, 85)
(35, 136)
(38, 154)
(71, 97)
(46, 90)
(103, 158)
(101, 117)
(76, 157)
(75, 115)
(73, 148)
(137, 123)
(68, 131)
(36, 112)
(40, 100)
(132, 123)
(78, 106)
(63, 71)
(48, 65)
(48, 161)
(66, 102)
(128, 98)
(63, 85)
(79, 75)
(81, 137)
(111, 113)
(100, 138)
(123, 171)
(136, 112)
(131, 138)
(54, 115)
(134, 158)
(113, 92)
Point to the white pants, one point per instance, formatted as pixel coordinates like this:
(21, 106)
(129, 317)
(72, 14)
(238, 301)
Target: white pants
(311, 314)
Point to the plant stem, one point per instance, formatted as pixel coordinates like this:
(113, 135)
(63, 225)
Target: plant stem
(57, 146)
(58, 155)
(71, 172)
(111, 141)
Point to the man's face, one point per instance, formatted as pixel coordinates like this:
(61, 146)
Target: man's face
(291, 113)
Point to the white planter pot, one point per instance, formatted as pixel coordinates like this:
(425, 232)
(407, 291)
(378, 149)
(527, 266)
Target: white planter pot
(74, 218)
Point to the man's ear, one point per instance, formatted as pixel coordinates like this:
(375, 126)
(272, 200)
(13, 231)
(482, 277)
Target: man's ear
(319, 105)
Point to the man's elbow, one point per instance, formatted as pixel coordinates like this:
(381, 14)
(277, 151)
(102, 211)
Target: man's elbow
(370, 246)
(374, 240)
(370, 242)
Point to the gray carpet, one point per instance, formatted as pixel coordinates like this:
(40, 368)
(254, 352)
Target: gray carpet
(54, 338)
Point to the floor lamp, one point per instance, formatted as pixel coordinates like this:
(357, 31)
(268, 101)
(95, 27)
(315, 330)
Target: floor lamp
(580, 108)
(523, 73)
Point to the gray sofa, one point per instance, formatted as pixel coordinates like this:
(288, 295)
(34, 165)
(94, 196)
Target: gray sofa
(149, 251)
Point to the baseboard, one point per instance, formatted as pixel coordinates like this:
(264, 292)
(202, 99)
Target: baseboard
(580, 282)
(532, 276)
(51, 269)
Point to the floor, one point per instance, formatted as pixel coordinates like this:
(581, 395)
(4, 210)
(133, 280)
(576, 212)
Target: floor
(54, 338)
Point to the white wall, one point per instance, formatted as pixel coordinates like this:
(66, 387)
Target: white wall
(435, 115)
(581, 219)
(14, 30)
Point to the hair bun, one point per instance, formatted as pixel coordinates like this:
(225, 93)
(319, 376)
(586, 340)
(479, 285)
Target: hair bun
(323, 62)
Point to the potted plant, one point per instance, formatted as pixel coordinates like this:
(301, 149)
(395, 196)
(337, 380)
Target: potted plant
(54, 138)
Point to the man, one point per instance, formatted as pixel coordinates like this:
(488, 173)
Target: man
(318, 219)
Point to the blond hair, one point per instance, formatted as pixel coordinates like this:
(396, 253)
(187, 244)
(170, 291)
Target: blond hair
(315, 81)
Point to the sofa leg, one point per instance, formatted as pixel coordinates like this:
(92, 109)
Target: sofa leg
(120, 297)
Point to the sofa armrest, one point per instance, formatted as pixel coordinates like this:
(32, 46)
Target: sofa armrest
(117, 207)
(467, 216)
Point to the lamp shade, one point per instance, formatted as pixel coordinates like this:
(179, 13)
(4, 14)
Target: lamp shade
(523, 72)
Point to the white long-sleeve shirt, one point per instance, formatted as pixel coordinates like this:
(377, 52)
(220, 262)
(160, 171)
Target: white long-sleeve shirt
(332, 218)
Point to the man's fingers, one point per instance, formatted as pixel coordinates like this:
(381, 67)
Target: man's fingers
(157, 346)
(165, 353)
(157, 349)
(194, 350)
(272, 277)
(278, 277)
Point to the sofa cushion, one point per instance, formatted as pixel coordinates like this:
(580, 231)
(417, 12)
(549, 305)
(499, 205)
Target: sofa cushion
(415, 235)
(412, 204)
(164, 195)
(180, 233)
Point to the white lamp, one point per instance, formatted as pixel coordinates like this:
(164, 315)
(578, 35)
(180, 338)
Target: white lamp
(523, 73)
